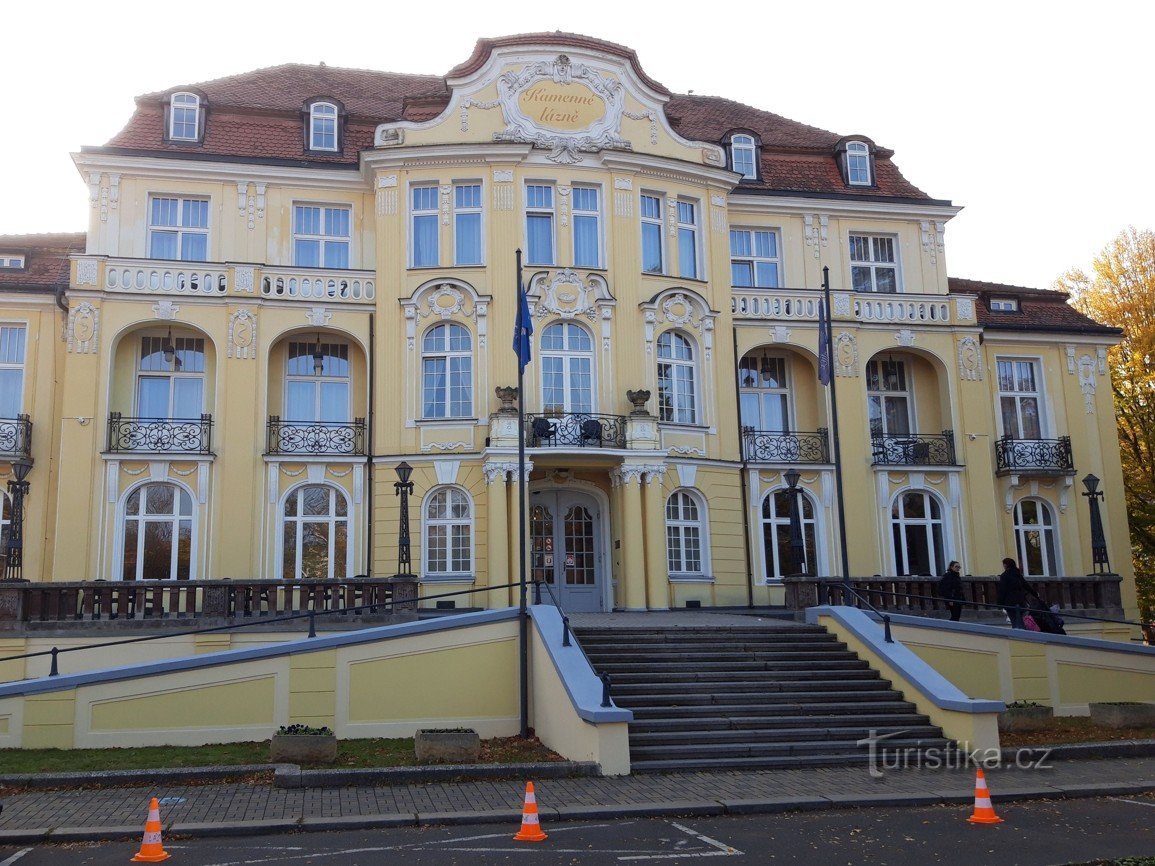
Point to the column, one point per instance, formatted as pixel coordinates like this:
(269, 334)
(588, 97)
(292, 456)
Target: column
(633, 545)
(497, 505)
(657, 571)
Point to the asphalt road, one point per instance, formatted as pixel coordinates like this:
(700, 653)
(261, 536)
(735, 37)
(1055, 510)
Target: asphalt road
(1040, 833)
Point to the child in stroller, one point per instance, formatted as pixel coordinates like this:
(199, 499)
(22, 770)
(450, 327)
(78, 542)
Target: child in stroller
(1046, 618)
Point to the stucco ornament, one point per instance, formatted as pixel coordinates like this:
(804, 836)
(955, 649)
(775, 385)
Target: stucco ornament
(566, 295)
(970, 359)
(242, 335)
(1087, 382)
(83, 328)
(845, 354)
(445, 300)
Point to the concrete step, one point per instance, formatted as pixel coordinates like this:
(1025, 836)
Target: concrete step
(821, 705)
(794, 734)
(762, 723)
(810, 748)
(680, 633)
(766, 662)
(845, 671)
(767, 685)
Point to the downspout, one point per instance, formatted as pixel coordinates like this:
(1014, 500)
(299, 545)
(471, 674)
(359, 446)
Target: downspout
(369, 446)
(742, 473)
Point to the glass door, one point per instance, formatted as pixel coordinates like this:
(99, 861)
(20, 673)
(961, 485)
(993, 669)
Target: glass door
(565, 548)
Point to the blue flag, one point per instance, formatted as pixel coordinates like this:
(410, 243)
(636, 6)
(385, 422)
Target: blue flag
(823, 345)
(522, 329)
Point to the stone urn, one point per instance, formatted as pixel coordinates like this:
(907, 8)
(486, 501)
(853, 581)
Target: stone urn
(639, 400)
(447, 746)
(507, 395)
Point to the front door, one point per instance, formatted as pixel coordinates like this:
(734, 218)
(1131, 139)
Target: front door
(565, 529)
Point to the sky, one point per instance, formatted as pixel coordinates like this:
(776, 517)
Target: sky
(1035, 117)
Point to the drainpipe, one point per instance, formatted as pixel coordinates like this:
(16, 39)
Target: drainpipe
(742, 473)
(369, 440)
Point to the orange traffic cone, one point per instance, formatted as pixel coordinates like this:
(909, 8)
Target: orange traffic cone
(530, 829)
(151, 849)
(984, 811)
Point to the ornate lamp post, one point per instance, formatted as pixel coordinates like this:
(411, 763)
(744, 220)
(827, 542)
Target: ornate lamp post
(1099, 558)
(797, 542)
(403, 488)
(17, 490)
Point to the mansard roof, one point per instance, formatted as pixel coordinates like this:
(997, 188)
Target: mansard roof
(46, 263)
(1039, 309)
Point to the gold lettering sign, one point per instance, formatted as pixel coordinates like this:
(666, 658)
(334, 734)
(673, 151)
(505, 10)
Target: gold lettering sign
(565, 107)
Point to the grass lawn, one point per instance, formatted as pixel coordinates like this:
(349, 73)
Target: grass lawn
(350, 753)
(1072, 729)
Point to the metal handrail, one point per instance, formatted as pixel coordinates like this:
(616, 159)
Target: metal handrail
(607, 682)
(846, 587)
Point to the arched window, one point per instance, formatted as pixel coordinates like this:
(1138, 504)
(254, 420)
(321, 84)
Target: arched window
(743, 155)
(317, 381)
(315, 534)
(858, 164)
(677, 379)
(567, 365)
(685, 535)
(448, 533)
(1035, 538)
(917, 529)
(184, 114)
(764, 392)
(158, 533)
(322, 126)
(781, 557)
(447, 372)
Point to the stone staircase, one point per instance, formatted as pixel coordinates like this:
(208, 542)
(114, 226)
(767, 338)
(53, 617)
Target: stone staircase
(749, 697)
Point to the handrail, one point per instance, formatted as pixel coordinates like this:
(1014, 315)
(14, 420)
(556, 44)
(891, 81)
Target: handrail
(846, 587)
(607, 682)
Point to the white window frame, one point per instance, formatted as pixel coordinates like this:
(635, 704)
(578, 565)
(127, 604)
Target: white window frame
(448, 522)
(675, 415)
(174, 372)
(759, 390)
(1039, 395)
(692, 229)
(447, 354)
(679, 527)
(657, 221)
(742, 142)
(875, 245)
(929, 522)
(316, 118)
(427, 212)
(324, 238)
(771, 564)
(13, 357)
(459, 211)
(179, 228)
(12, 262)
(568, 354)
(141, 518)
(883, 394)
(297, 522)
(188, 102)
(1003, 305)
(753, 259)
(858, 171)
(595, 215)
(1052, 559)
(330, 348)
(541, 211)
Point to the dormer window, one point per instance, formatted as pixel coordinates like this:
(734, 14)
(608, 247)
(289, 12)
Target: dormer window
(323, 126)
(184, 117)
(1004, 305)
(744, 155)
(857, 164)
(11, 262)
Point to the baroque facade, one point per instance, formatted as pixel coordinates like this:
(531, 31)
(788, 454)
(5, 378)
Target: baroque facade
(295, 278)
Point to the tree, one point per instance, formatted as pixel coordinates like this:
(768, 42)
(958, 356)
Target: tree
(1120, 291)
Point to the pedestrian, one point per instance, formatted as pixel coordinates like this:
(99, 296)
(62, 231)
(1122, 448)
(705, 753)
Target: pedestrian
(950, 590)
(1013, 592)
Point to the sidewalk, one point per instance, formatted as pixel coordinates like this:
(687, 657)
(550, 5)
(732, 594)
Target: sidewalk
(246, 809)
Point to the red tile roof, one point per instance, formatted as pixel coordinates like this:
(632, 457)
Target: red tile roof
(46, 262)
(1039, 309)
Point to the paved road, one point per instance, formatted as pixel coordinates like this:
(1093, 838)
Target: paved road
(1038, 833)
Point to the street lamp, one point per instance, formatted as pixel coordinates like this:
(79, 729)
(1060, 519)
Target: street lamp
(1098, 540)
(403, 488)
(17, 490)
(797, 542)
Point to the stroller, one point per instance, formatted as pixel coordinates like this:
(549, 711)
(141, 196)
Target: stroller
(1047, 620)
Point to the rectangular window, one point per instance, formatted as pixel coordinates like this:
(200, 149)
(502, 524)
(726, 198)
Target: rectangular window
(170, 380)
(1020, 398)
(9, 261)
(1004, 305)
(888, 398)
(754, 258)
(321, 236)
(688, 240)
(587, 232)
(467, 224)
(426, 253)
(873, 265)
(12, 341)
(652, 259)
(539, 224)
(178, 229)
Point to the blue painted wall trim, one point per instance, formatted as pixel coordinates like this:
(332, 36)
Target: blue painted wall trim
(1008, 633)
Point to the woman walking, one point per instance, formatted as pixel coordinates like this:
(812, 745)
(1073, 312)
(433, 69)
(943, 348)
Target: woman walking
(1013, 592)
(950, 590)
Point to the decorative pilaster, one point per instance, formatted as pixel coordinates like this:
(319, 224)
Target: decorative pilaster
(654, 528)
(497, 490)
(633, 575)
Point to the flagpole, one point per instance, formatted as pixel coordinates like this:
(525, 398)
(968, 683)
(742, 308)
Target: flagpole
(523, 617)
(828, 337)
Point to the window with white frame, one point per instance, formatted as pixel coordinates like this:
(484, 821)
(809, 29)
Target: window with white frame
(178, 229)
(1035, 537)
(12, 342)
(317, 382)
(764, 392)
(1004, 305)
(158, 533)
(688, 240)
(539, 232)
(685, 535)
(321, 236)
(315, 534)
(322, 126)
(8, 261)
(857, 164)
(184, 114)
(888, 397)
(170, 380)
(447, 372)
(916, 527)
(587, 227)
(873, 264)
(426, 251)
(1020, 398)
(780, 557)
(754, 259)
(653, 236)
(567, 362)
(448, 528)
(467, 224)
(677, 379)
(743, 155)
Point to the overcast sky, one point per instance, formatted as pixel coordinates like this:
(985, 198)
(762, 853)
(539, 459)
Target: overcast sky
(1036, 117)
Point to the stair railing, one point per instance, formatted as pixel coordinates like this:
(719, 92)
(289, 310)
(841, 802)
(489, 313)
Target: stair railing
(847, 588)
(607, 682)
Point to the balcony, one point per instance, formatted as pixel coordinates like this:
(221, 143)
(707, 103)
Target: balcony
(575, 430)
(316, 437)
(311, 284)
(1034, 456)
(160, 435)
(899, 308)
(764, 446)
(15, 437)
(914, 450)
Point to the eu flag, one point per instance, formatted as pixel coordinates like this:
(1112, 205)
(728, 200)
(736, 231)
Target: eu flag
(522, 329)
(823, 344)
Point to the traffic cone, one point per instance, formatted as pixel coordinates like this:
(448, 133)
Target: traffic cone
(984, 811)
(151, 849)
(530, 829)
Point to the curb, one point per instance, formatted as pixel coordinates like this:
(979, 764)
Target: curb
(127, 778)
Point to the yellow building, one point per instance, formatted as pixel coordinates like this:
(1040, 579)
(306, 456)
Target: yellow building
(295, 278)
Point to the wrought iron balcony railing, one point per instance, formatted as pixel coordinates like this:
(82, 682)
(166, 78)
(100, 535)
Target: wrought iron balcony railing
(575, 430)
(316, 437)
(915, 449)
(162, 435)
(1038, 456)
(765, 446)
(16, 436)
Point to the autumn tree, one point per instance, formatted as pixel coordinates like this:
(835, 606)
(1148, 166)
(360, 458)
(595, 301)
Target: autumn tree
(1120, 291)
